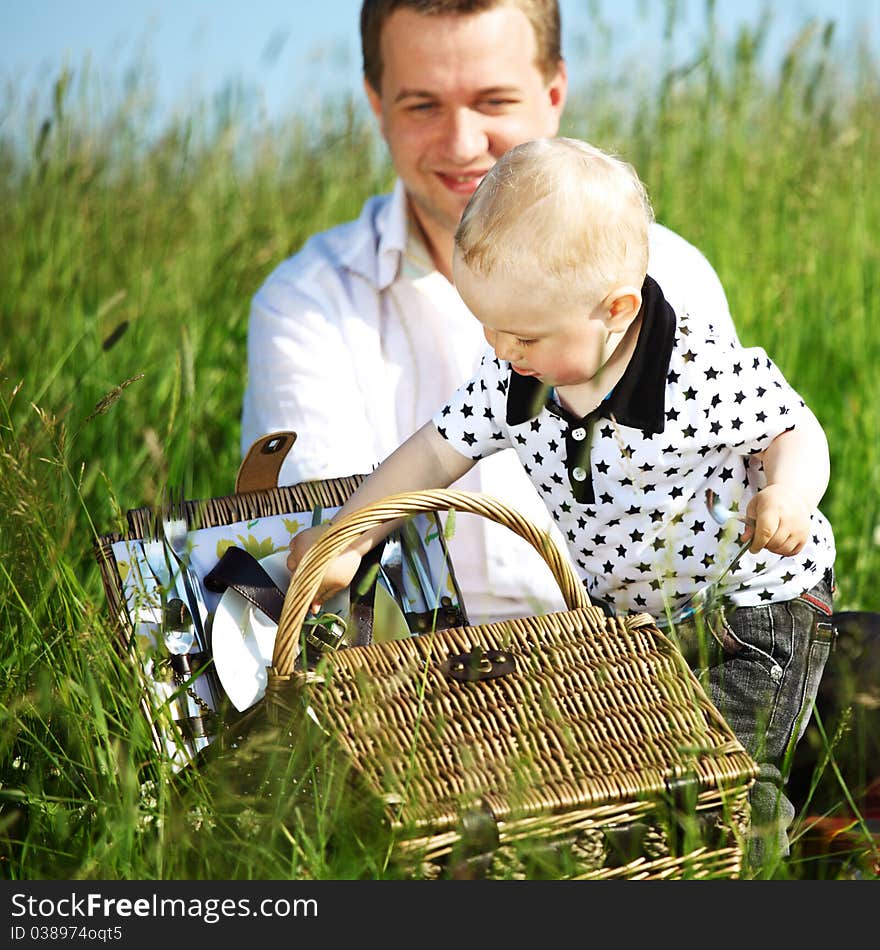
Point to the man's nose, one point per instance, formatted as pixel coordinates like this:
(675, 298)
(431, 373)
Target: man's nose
(466, 137)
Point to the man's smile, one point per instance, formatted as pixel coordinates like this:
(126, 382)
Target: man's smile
(461, 183)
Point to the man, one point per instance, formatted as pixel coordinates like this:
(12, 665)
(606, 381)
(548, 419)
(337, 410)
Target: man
(355, 341)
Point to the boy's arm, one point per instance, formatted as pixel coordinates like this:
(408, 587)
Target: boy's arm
(425, 460)
(797, 469)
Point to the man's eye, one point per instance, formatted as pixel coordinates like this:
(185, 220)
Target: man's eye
(421, 107)
(500, 103)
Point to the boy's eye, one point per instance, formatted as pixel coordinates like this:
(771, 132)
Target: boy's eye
(524, 342)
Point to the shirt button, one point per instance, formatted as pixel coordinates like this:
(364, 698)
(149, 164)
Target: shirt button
(578, 474)
(579, 434)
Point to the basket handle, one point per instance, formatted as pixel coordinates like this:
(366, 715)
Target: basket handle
(306, 579)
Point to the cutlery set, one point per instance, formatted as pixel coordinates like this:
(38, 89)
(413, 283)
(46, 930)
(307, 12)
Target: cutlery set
(184, 617)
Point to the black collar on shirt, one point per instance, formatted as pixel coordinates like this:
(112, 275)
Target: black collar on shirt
(638, 399)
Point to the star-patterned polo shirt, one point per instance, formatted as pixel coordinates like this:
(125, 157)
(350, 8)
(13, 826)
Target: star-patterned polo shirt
(627, 483)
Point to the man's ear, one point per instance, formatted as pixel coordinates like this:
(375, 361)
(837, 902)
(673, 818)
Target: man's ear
(557, 90)
(620, 307)
(375, 101)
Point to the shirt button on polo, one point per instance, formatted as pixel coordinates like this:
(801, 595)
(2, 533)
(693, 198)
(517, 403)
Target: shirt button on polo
(579, 435)
(578, 474)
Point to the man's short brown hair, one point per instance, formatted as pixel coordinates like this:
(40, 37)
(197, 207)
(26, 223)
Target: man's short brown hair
(542, 14)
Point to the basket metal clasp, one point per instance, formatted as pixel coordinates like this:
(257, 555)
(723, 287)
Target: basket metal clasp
(479, 664)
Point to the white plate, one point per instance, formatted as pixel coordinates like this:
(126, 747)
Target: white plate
(243, 637)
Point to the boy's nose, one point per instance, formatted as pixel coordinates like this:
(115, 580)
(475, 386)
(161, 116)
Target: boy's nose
(505, 347)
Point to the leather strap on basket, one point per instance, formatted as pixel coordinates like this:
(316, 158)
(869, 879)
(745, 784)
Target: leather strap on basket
(261, 466)
(307, 579)
(244, 573)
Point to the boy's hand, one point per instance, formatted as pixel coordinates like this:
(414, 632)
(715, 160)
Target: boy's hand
(782, 521)
(340, 571)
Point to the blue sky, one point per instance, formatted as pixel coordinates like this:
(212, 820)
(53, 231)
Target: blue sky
(292, 53)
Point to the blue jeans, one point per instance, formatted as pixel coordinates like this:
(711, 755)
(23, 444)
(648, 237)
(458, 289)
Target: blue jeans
(761, 667)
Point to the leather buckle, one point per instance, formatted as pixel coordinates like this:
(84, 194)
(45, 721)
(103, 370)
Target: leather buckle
(325, 631)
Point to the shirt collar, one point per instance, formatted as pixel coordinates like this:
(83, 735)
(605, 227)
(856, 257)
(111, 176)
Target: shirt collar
(638, 399)
(401, 248)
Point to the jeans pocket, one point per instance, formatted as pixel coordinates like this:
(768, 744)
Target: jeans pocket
(760, 635)
(776, 635)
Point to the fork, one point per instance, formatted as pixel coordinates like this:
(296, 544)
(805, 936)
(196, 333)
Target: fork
(175, 534)
(175, 531)
(178, 634)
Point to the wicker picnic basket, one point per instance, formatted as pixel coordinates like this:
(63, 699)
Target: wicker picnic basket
(568, 745)
(259, 516)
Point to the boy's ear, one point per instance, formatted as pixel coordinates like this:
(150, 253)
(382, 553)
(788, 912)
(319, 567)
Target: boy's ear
(621, 306)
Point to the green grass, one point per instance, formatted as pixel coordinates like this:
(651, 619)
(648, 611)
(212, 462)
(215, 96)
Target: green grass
(127, 265)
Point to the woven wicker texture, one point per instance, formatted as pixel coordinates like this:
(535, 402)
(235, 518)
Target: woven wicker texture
(226, 509)
(596, 712)
(598, 720)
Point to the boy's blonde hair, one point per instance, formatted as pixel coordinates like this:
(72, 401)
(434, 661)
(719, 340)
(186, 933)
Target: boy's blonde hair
(561, 209)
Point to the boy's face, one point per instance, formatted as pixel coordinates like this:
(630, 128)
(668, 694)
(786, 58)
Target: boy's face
(457, 92)
(560, 345)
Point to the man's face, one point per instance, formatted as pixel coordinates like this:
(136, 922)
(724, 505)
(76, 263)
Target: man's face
(457, 92)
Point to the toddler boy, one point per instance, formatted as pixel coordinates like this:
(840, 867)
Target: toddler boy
(624, 414)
